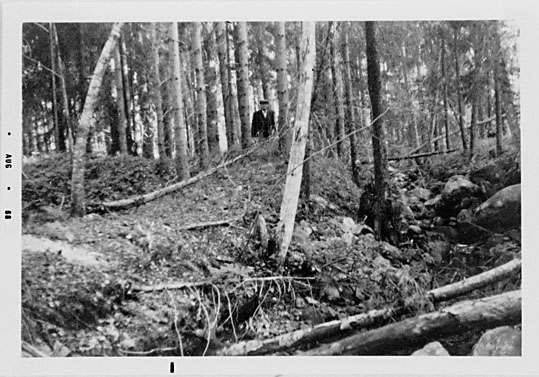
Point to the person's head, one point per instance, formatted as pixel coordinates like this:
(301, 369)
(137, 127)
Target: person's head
(264, 104)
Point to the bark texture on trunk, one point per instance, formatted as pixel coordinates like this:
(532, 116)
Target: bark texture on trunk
(87, 119)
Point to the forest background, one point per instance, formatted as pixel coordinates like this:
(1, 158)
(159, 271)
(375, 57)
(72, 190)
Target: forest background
(424, 120)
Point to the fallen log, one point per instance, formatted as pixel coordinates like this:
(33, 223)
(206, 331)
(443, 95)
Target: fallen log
(398, 158)
(485, 313)
(207, 224)
(305, 338)
(145, 198)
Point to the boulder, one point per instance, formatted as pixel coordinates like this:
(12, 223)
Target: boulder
(501, 212)
(458, 193)
(421, 193)
(432, 349)
(501, 341)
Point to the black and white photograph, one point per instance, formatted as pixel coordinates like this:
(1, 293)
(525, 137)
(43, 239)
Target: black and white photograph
(258, 189)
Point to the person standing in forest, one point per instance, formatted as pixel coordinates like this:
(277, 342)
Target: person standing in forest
(263, 121)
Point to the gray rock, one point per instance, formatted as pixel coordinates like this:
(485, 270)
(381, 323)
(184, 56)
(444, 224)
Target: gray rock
(501, 341)
(458, 193)
(432, 349)
(501, 212)
(421, 193)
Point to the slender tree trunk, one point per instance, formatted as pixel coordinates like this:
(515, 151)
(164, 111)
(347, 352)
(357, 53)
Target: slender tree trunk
(59, 137)
(180, 131)
(289, 205)
(223, 72)
(167, 95)
(148, 129)
(498, 96)
(63, 90)
(243, 83)
(445, 97)
(338, 93)
(78, 206)
(378, 134)
(83, 85)
(459, 96)
(285, 131)
(213, 94)
(122, 118)
(128, 101)
(349, 104)
(156, 96)
(234, 105)
(473, 126)
(201, 96)
(189, 101)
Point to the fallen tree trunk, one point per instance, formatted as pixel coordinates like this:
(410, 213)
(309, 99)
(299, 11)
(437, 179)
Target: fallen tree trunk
(475, 282)
(485, 313)
(145, 198)
(207, 224)
(303, 339)
(419, 155)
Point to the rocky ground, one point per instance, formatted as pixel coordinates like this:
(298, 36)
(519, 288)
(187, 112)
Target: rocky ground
(153, 280)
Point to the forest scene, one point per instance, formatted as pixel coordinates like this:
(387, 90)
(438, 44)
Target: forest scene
(271, 188)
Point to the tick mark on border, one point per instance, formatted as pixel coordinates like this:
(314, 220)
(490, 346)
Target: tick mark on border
(171, 367)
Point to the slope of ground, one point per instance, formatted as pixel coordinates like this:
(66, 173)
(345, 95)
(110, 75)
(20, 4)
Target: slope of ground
(221, 286)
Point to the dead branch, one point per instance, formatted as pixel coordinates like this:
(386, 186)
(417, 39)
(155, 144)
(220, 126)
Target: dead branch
(472, 283)
(485, 313)
(207, 224)
(183, 285)
(145, 198)
(162, 287)
(420, 155)
(302, 339)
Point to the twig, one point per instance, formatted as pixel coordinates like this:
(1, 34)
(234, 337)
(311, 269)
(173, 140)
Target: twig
(176, 322)
(161, 287)
(146, 353)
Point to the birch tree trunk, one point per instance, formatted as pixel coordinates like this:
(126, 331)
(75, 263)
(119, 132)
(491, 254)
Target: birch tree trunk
(243, 83)
(378, 134)
(285, 227)
(180, 131)
(285, 132)
(201, 96)
(86, 120)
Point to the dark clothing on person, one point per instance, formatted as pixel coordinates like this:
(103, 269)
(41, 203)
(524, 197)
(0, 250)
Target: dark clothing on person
(263, 124)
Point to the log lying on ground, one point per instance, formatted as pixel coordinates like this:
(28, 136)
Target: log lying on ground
(420, 155)
(207, 224)
(324, 332)
(485, 313)
(145, 198)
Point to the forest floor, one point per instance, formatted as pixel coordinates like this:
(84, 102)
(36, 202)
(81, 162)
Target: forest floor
(141, 282)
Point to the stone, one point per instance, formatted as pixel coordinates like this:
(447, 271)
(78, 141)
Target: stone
(421, 193)
(501, 212)
(501, 341)
(457, 195)
(432, 349)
